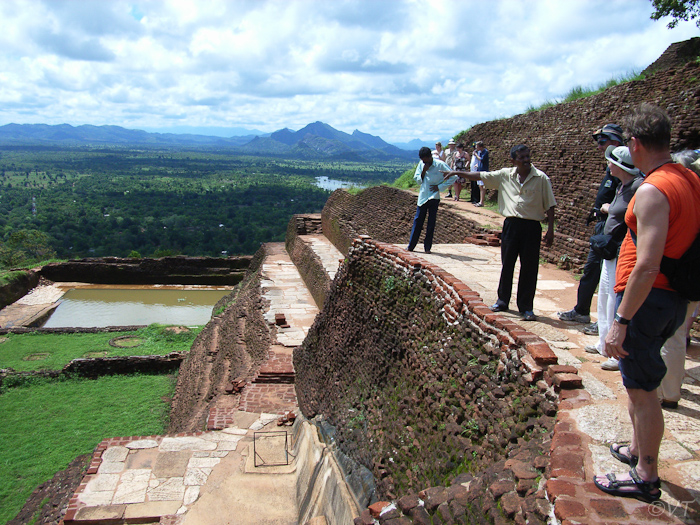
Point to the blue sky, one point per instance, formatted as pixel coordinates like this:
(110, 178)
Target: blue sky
(400, 69)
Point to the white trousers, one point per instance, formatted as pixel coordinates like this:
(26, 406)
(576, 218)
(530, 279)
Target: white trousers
(673, 354)
(606, 302)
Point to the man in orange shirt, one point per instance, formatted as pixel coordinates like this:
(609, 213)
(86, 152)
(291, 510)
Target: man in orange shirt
(663, 219)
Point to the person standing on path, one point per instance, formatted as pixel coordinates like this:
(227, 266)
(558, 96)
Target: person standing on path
(622, 168)
(663, 219)
(439, 153)
(673, 351)
(428, 175)
(459, 164)
(451, 151)
(525, 198)
(477, 187)
(608, 135)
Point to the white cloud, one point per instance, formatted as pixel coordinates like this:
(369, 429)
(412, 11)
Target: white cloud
(400, 69)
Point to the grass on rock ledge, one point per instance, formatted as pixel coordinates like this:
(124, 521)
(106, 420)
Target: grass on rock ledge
(48, 423)
(45, 351)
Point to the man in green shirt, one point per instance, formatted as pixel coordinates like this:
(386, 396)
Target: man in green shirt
(525, 199)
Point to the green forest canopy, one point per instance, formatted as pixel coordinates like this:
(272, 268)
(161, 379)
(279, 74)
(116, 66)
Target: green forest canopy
(120, 201)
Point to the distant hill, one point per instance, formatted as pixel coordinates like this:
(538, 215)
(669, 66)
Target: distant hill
(317, 141)
(416, 144)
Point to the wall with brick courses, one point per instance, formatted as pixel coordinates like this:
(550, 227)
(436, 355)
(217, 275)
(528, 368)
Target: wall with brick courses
(561, 143)
(231, 345)
(18, 288)
(423, 382)
(165, 270)
(103, 366)
(386, 214)
(305, 259)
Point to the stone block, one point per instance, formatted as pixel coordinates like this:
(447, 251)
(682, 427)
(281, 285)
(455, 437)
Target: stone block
(103, 512)
(151, 509)
(171, 464)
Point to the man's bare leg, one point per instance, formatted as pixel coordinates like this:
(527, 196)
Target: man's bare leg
(648, 430)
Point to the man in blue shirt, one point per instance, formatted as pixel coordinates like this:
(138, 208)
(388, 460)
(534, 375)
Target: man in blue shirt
(429, 175)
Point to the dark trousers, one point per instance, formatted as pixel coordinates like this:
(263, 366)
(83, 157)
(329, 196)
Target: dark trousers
(520, 238)
(430, 209)
(590, 278)
(476, 194)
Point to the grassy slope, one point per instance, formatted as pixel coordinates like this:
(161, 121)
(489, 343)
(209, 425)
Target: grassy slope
(62, 348)
(47, 425)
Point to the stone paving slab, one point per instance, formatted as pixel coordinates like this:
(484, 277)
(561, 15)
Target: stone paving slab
(330, 255)
(144, 478)
(287, 294)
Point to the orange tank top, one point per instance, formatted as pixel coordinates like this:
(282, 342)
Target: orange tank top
(682, 189)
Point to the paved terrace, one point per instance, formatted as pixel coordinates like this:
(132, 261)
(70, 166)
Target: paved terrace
(203, 478)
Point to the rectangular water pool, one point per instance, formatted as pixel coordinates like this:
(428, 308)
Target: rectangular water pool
(99, 307)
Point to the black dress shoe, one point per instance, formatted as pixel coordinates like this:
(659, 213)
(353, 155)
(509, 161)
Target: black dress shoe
(529, 316)
(498, 307)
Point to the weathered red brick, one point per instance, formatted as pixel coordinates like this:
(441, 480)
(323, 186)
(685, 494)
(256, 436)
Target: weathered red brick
(560, 487)
(541, 353)
(609, 508)
(562, 439)
(565, 508)
(568, 381)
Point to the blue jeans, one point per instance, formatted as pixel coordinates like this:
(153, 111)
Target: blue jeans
(430, 209)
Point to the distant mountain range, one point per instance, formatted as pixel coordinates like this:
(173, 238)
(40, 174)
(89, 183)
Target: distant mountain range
(317, 141)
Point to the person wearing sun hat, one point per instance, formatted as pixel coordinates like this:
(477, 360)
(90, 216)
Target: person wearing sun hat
(622, 168)
(608, 135)
(663, 220)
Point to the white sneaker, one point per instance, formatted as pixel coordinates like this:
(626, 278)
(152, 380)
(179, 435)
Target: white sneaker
(610, 364)
(591, 349)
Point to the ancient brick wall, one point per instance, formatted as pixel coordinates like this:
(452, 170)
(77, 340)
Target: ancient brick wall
(18, 287)
(165, 270)
(562, 146)
(232, 344)
(386, 214)
(423, 383)
(305, 259)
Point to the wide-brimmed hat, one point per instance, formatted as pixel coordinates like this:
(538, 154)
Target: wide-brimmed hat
(611, 131)
(452, 141)
(620, 156)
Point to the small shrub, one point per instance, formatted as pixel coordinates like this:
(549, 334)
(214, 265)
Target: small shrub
(406, 180)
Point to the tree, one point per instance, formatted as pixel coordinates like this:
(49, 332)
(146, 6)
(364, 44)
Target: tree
(678, 9)
(26, 247)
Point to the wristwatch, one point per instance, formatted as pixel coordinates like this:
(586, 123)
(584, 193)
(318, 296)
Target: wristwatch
(621, 320)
